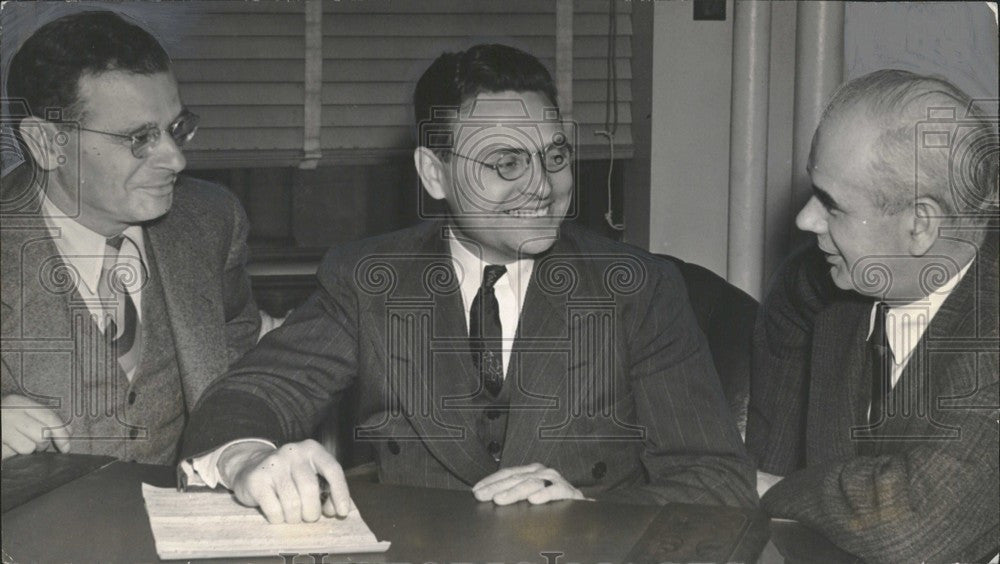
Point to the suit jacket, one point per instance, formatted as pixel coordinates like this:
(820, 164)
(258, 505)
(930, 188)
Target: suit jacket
(611, 381)
(200, 252)
(924, 485)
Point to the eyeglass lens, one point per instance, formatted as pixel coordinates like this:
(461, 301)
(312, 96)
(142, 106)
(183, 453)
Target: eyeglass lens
(181, 130)
(512, 166)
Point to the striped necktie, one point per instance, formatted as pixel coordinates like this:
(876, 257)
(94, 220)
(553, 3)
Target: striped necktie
(118, 278)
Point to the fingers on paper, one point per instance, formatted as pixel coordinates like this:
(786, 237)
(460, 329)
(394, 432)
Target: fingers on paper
(327, 466)
(269, 505)
(307, 486)
(286, 484)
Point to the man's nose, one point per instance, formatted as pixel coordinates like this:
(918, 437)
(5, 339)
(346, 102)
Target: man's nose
(166, 154)
(812, 217)
(541, 182)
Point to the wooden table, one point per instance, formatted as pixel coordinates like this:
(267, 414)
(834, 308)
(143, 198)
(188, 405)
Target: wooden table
(76, 508)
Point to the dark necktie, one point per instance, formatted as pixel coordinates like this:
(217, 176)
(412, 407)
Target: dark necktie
(485, 332)
(122, 327)
(880, 362)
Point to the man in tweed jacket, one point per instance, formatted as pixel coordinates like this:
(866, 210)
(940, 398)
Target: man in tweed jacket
(895, 461)
(103, 125)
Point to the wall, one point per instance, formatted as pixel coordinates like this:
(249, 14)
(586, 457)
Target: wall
(689, 171)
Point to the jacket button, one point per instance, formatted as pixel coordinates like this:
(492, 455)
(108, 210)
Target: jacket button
(492, 414)
(133, 433)
(393, 447)
(494, 450)
(599, 470)
(131, 398)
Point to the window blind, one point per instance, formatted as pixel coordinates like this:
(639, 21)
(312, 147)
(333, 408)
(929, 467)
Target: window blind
(242, 66)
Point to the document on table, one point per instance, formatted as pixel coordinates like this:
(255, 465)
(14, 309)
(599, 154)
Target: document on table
(211, 524)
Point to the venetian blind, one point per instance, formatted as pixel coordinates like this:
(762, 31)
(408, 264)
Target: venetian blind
(242, 66)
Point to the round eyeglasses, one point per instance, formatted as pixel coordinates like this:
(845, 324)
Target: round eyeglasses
(142, 140)
(512, 164)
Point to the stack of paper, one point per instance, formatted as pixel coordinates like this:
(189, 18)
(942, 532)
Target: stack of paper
(214, 524)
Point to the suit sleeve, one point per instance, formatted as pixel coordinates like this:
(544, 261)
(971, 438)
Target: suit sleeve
(779, 374)
(280, 391)
(933, 502)
(242, 316)
(693, 452)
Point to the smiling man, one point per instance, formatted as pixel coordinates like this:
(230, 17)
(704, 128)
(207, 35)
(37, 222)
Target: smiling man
(495, 349)
(874, 400)
(124, 290)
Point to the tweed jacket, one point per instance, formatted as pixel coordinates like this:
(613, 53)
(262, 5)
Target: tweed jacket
(611, 382)
(925, 484)
(200, 252)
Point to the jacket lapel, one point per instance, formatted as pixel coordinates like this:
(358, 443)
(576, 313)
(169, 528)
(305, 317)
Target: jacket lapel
(958, 329)
(435, 380)
(175, 240)
(839, 383)
(539, 368)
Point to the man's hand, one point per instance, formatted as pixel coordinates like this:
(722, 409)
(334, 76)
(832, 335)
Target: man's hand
(534, 482)
(284, 483)
(765, 481)
(29, 426)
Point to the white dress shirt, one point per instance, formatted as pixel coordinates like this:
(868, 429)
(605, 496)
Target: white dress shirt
(905, 324)
(83, 251)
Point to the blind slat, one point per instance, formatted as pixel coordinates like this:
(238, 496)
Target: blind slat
(350, 70)
(348, 93)
(360, 24)
(364, 47)
(234, 117)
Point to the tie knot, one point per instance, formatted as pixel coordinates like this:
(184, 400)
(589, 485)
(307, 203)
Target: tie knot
(881, 309)
(491, 274)
(116, 242)
(879, 334)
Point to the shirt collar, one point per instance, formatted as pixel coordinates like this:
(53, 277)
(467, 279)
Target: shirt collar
(469, 269)
(905, 324)
(81, 248)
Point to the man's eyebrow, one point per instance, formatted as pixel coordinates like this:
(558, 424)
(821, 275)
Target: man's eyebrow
(141, 126)
(825, 198)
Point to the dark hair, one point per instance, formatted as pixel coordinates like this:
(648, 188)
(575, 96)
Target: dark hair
(454, 78)
(962, 178)
(46, 70)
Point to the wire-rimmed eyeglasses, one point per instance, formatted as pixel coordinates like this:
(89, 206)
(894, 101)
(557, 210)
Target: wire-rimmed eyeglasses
(181, 130)
(514, 163)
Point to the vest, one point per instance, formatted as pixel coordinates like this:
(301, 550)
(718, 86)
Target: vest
(141, 420)
(491, 425)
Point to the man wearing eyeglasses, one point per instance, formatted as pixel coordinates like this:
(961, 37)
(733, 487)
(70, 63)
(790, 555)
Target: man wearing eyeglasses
(495, 350)
(124, 288)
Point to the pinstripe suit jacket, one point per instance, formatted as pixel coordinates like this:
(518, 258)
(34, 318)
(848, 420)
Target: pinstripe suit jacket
(923, 486)
(200, 250)
(611, 380)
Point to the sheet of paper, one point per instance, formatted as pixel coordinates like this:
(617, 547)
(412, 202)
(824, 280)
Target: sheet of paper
(213, 524)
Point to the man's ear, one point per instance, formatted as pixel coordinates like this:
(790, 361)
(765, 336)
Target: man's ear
(924, 230)
(39, 136)
(431, 172)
